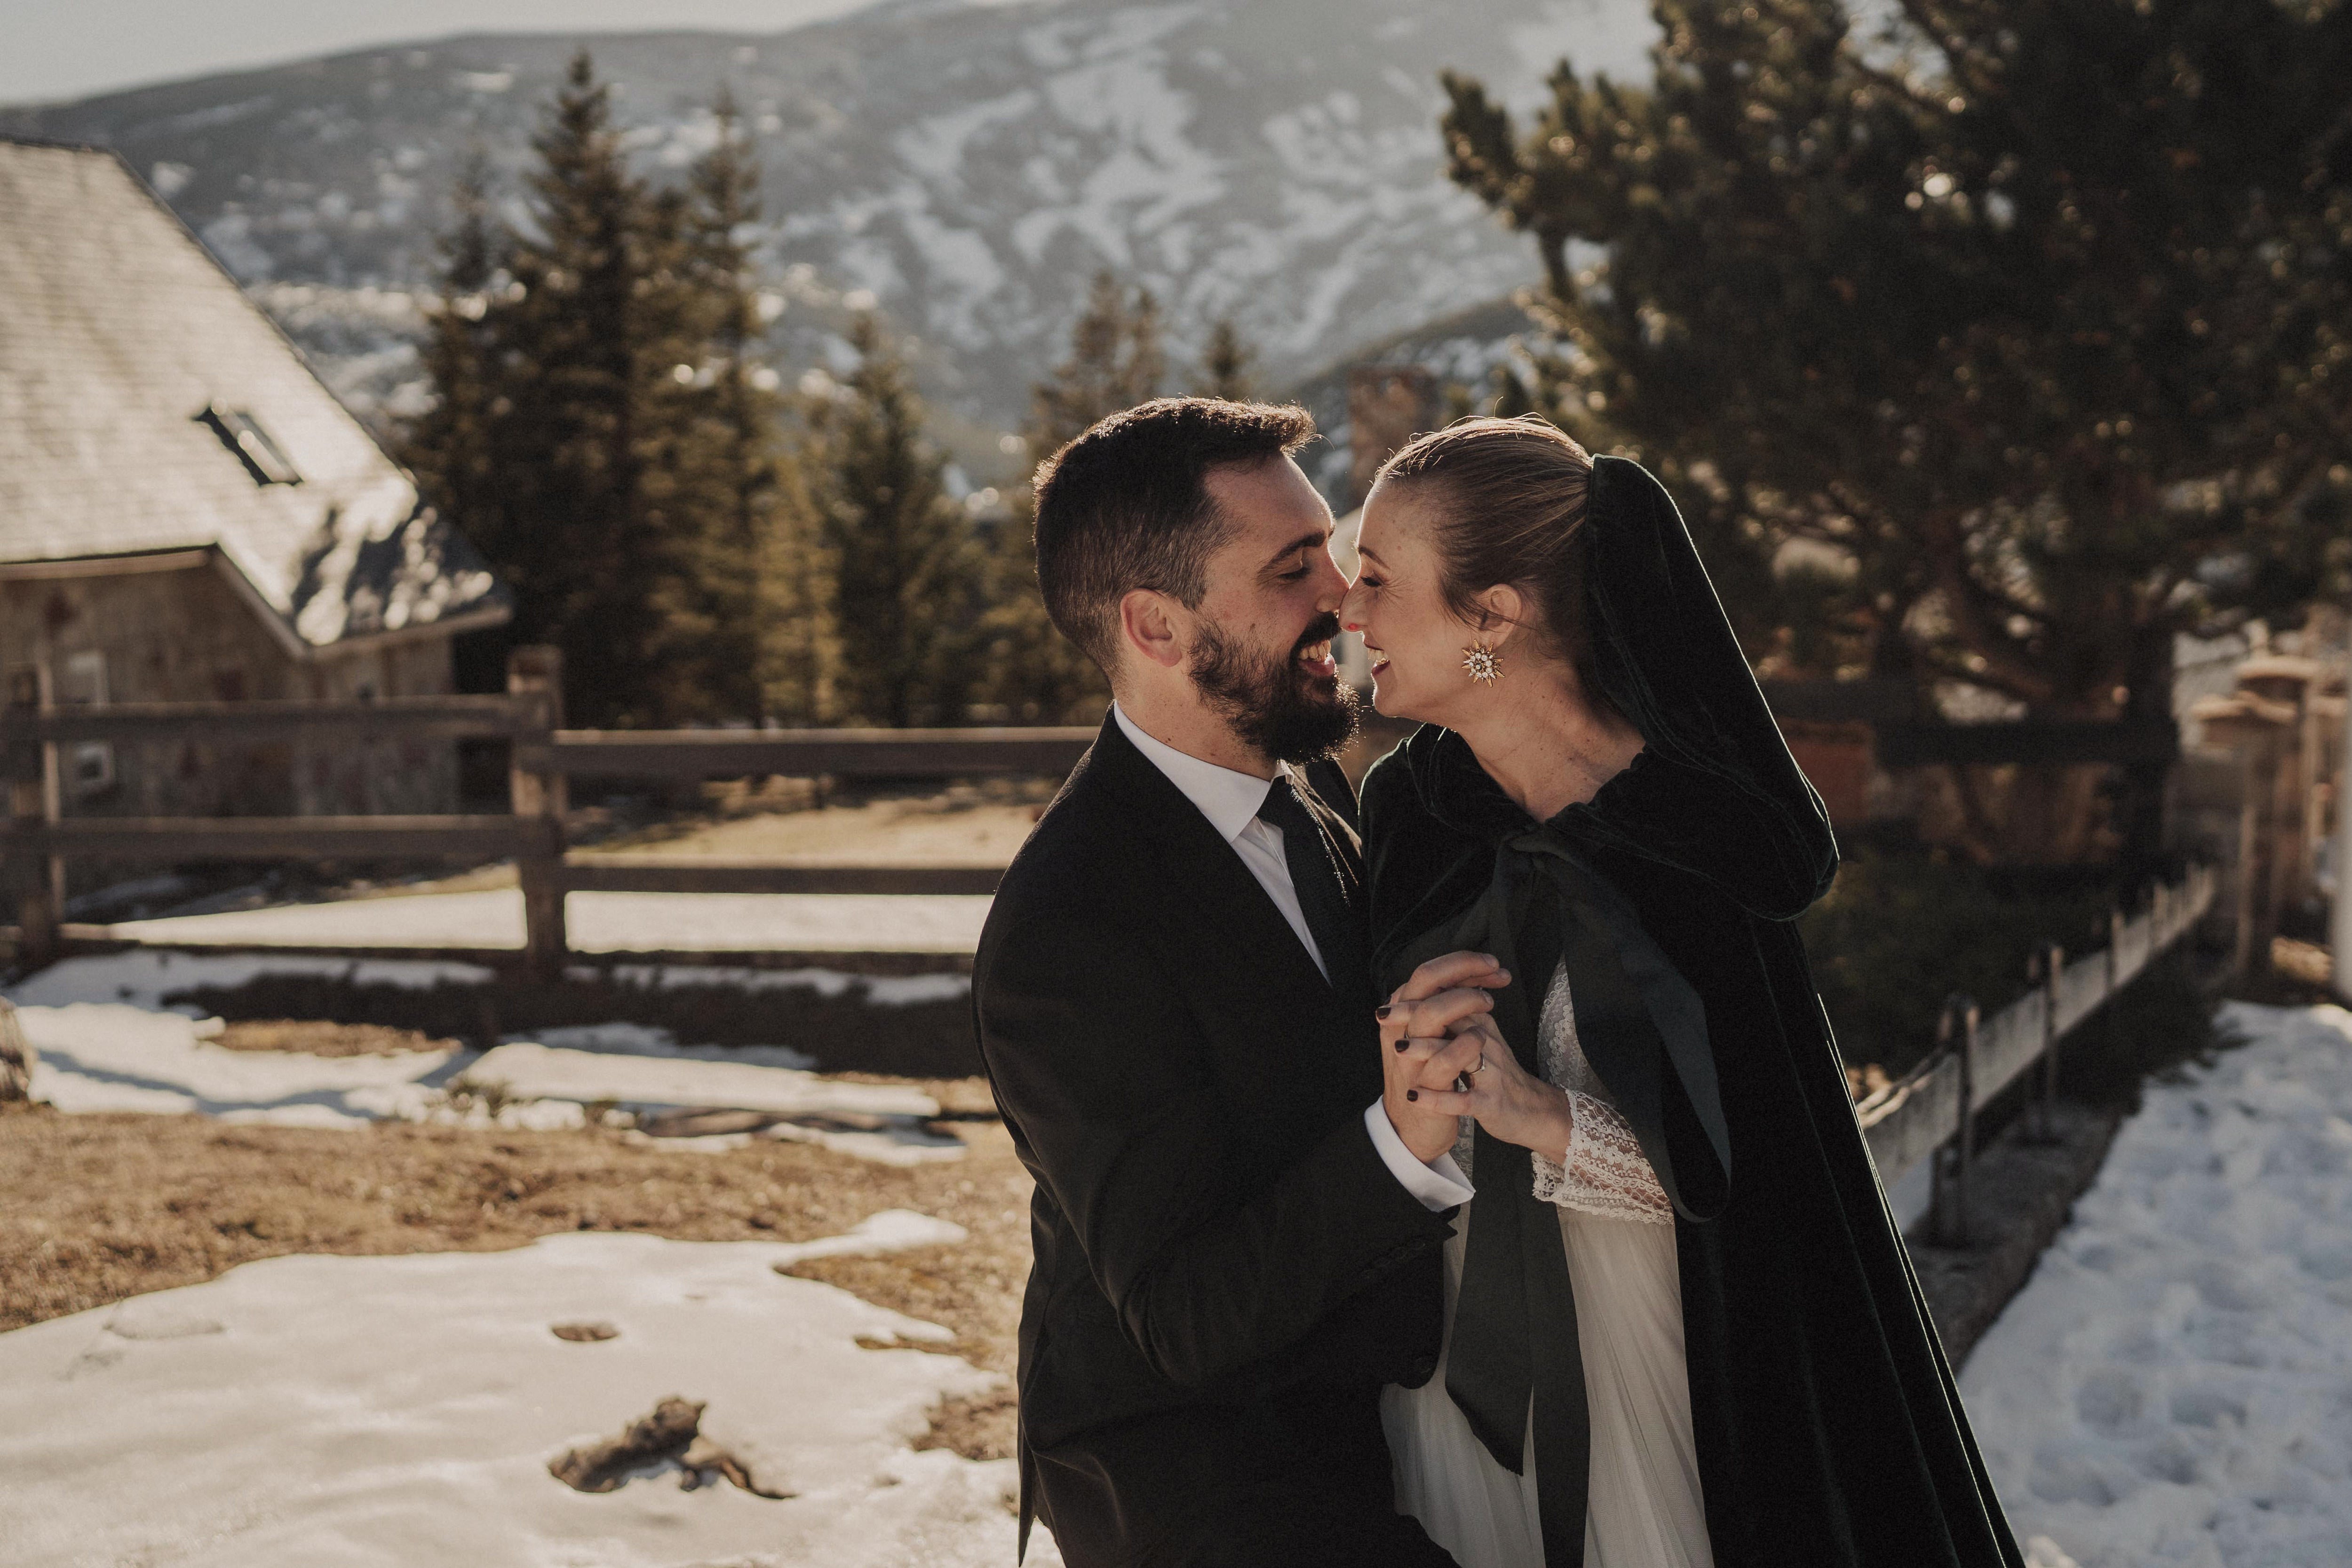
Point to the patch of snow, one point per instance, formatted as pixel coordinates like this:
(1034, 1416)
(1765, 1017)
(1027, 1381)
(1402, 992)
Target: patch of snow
(1412, 90)
(891, 1231)
(1594, 36)
(142, 978)
(936, 147)
(303, 1410)
(2174, 1384)
(537, 1072)
(113, 1057)
(105, 1056)
(964, 271)
(883, 990)
(217, 115)
(598, 922)
(230, 238)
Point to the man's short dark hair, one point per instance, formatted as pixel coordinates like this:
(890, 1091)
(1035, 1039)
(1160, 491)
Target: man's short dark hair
(1126, 506)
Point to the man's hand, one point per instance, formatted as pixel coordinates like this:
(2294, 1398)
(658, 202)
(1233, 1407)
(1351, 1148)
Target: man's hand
(1508, 1101)
(1415, 1047)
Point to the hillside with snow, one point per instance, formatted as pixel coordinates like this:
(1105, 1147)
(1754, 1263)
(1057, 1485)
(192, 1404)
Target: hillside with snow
(968, 165)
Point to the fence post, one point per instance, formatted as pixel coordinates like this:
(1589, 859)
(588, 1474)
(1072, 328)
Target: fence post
(2111, 1021)
(535, 682)
(2054, 965)
(1949, 1197)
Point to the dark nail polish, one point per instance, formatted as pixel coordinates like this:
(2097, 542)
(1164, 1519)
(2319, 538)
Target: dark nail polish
(1382, 1013)
(1400, 1045)
(1412, 1093)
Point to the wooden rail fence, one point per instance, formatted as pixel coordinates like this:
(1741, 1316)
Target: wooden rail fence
(36, 832)
(1931, 1113)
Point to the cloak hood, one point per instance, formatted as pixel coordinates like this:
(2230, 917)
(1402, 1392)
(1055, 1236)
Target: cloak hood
(1714, 791)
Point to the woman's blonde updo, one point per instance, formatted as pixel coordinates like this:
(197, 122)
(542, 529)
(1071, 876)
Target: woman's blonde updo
(1508, 500)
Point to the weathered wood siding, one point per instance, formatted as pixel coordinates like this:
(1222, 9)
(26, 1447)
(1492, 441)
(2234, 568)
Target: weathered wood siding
(188, 636)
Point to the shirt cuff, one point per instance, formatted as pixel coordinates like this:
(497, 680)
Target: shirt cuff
(1438, 1185)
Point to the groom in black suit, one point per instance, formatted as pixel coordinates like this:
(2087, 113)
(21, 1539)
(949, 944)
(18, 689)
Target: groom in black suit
(1173, 1001)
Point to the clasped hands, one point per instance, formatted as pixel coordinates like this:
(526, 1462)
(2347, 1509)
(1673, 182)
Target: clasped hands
(1441, 1058)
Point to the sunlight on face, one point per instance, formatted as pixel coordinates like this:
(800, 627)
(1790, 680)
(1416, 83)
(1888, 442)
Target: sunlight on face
(1414, 640)
(1274, 579)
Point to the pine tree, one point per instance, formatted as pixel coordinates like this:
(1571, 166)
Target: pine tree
(904, 567)
(2039, 336)
(450, 447)
(1036, 676)
(1225, 364)
(798, 644)
(733, 495)
(590, 350)
(1116, 361)
(607, 430)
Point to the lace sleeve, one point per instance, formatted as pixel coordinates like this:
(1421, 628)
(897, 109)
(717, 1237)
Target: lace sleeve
(1606, 1174)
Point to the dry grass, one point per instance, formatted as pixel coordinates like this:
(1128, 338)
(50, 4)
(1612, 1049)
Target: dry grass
(105, 1207)
(314, 1037)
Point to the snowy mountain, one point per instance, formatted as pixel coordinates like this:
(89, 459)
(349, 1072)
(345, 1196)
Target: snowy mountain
(968, 165)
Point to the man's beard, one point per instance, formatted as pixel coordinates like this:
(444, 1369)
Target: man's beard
(1270, 703)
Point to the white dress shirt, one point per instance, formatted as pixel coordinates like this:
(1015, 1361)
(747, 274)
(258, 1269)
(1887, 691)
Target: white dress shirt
(1230, 800)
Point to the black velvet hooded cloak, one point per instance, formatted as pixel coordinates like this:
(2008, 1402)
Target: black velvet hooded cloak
(1828, 1426)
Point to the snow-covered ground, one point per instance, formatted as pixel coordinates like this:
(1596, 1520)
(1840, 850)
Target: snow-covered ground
(308, 1410)
(106, 1042)
(2174, 1386)
(596, 922)
(144, 977)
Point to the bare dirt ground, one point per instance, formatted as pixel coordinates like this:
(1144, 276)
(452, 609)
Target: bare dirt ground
(105, 1207)
(315, 1039)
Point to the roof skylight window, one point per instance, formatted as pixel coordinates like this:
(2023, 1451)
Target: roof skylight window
(241, 434)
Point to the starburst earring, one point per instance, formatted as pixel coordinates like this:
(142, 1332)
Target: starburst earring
(1483, 662)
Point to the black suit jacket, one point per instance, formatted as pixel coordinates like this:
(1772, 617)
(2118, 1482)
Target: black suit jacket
(1225, 1272)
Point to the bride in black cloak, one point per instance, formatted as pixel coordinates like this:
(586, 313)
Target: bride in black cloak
(1681, 1328)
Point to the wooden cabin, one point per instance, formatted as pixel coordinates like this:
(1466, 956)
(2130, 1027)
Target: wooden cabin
(187, 513)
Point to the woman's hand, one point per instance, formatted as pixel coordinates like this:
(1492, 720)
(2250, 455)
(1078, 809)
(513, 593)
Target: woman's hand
(1511, 1102)
(1417, 1041)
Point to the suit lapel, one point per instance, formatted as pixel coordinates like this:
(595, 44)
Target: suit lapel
(1295, 1059)
(1210, 895)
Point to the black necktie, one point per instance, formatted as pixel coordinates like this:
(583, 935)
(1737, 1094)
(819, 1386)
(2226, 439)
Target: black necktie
(1314, 877)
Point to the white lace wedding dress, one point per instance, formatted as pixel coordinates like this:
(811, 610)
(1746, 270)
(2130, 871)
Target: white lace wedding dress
(1644, 1509)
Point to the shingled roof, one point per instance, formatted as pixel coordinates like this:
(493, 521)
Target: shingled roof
(129, 365)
